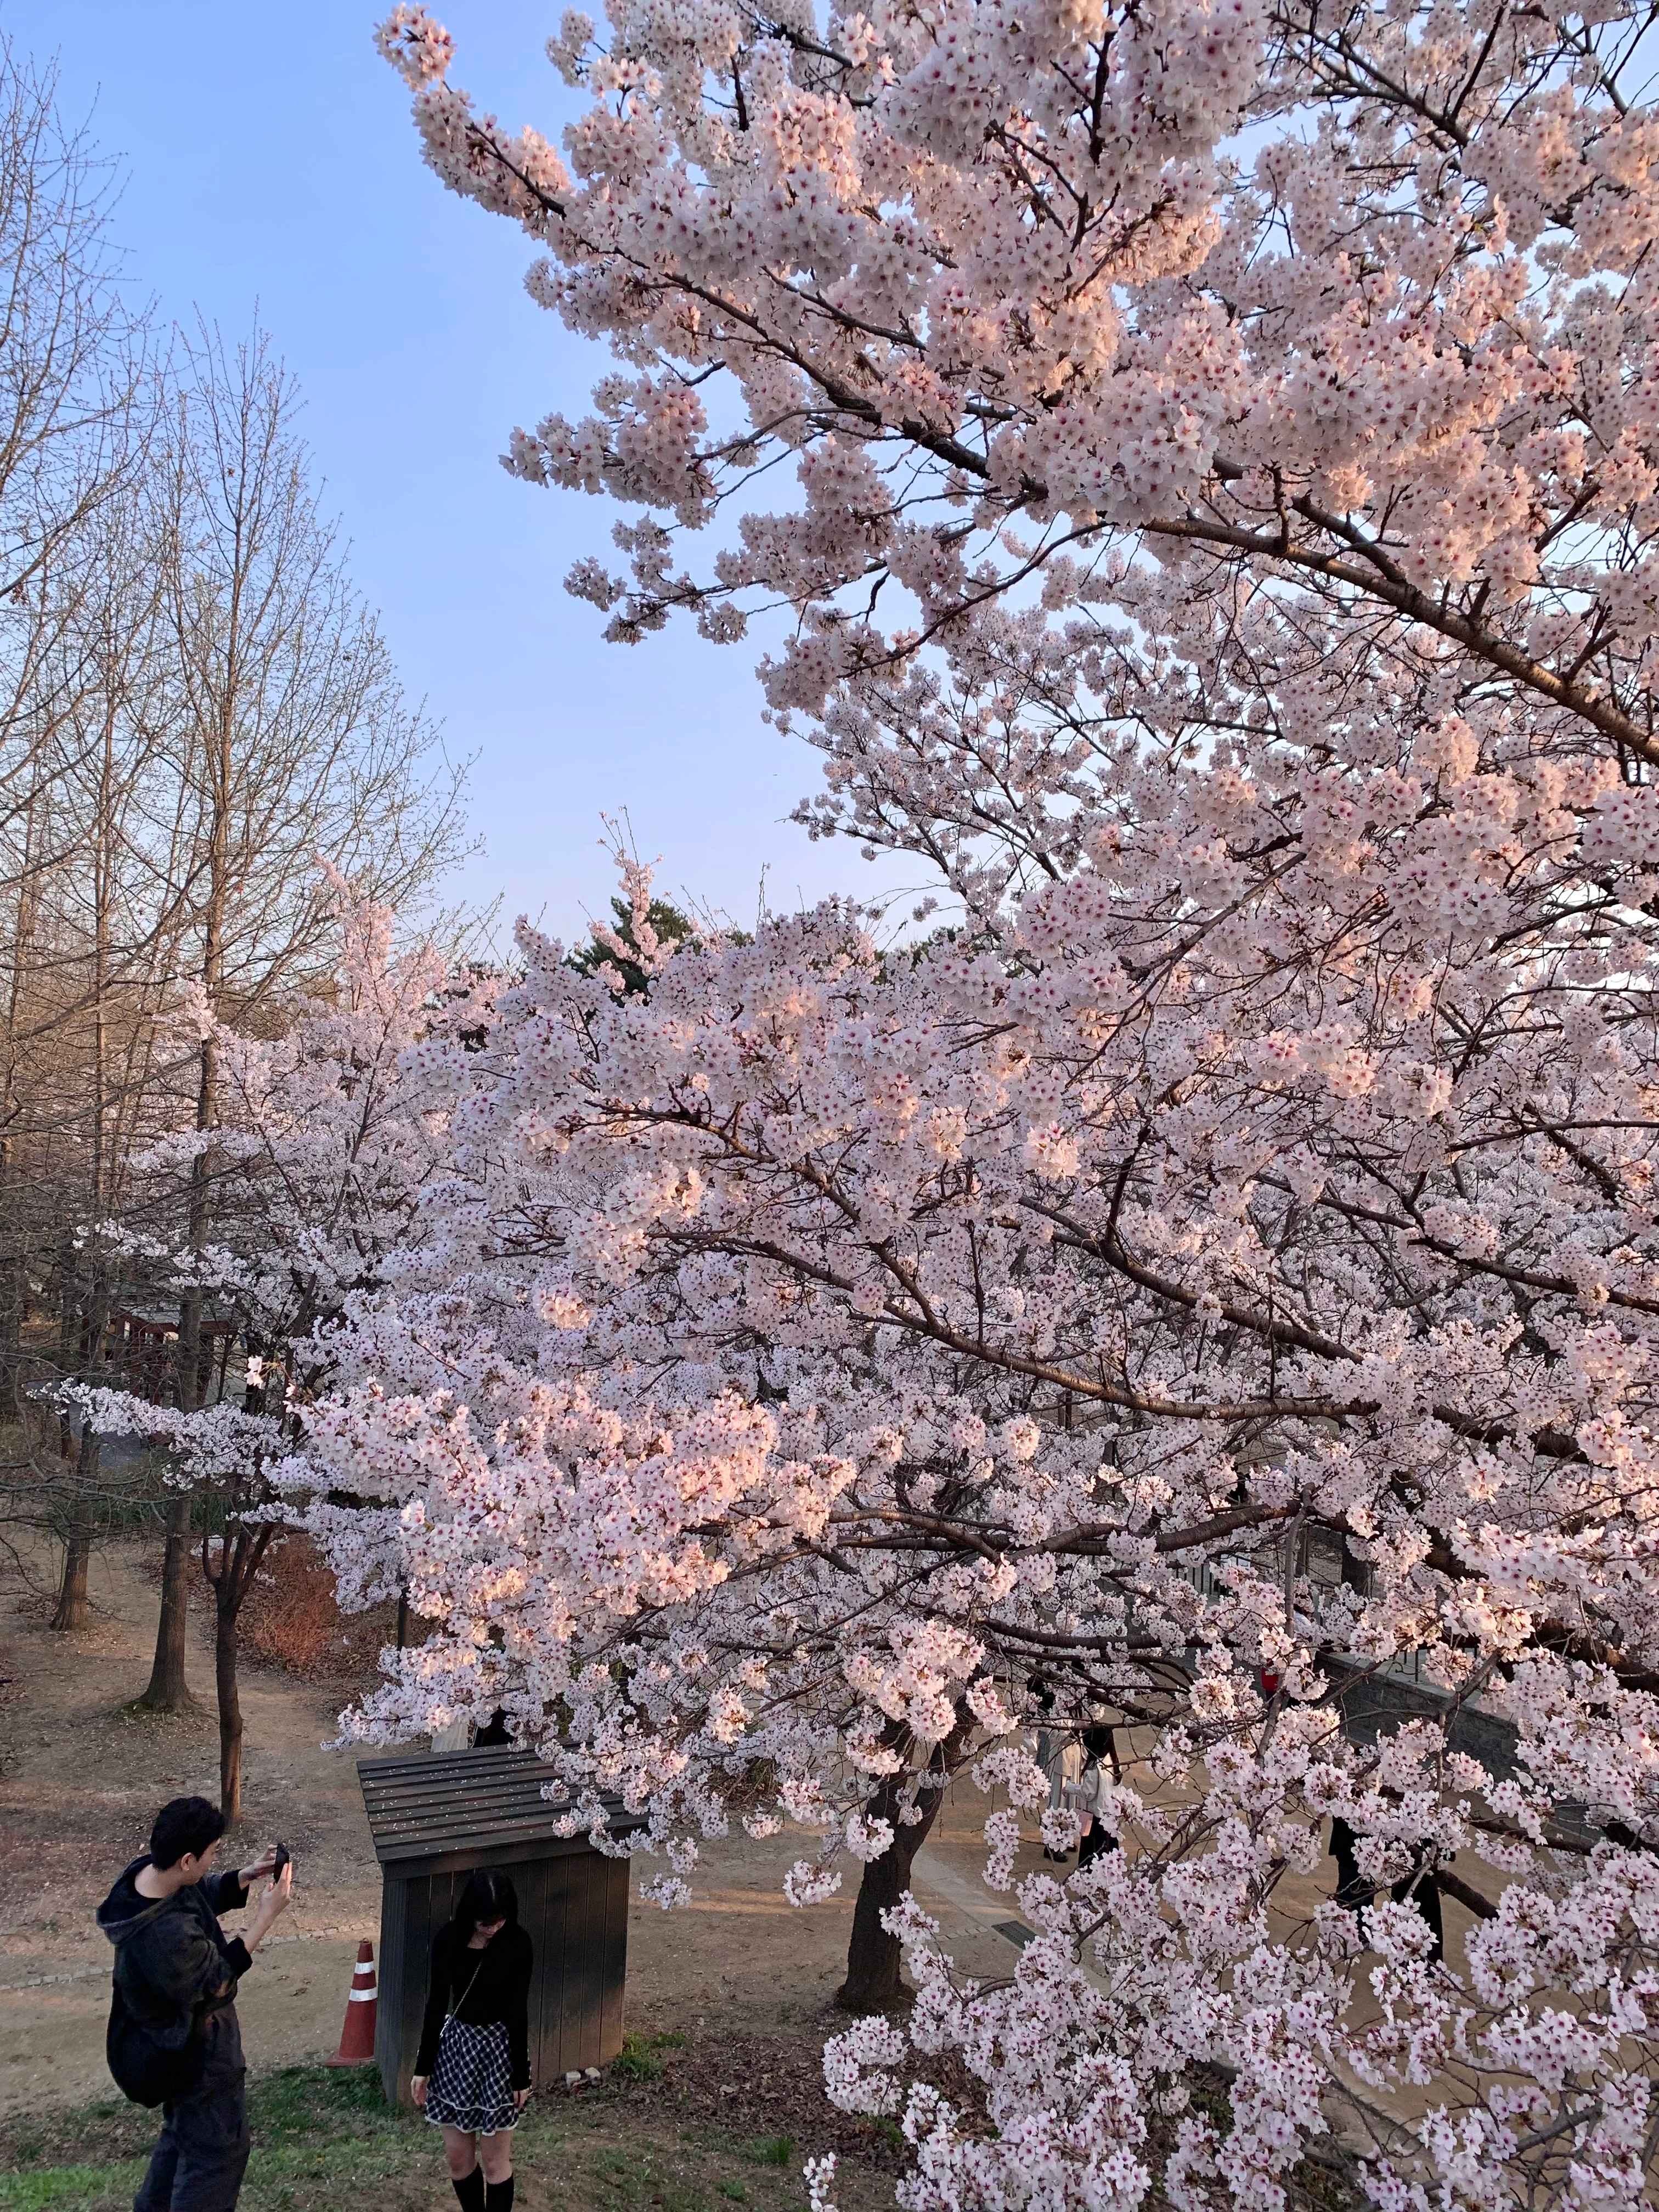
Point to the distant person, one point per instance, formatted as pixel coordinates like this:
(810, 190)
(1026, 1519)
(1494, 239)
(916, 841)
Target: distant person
(472, 2070)
(1418, 1888)
(1091, 1794)
(174, 2036)
(1060, 1755)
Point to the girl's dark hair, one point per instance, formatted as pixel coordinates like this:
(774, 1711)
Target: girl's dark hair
(488, 1896)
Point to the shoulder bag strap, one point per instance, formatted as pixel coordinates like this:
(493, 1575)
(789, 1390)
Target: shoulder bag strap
(453, 2009)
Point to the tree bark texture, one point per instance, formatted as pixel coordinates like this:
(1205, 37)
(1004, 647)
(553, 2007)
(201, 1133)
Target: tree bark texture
(74, 1609)
(13, 1282)
(873, 1957)
(226, 1637)
(873, 1981)
(168, 1691)
(240, 1558)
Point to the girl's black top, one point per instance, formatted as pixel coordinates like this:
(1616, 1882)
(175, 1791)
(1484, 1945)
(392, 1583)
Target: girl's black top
(481, 1988)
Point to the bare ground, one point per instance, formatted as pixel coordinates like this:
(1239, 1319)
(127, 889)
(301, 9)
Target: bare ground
(81, 1774)
(733, 1995)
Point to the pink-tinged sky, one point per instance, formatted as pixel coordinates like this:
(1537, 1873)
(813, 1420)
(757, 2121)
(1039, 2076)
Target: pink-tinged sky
(269, 162)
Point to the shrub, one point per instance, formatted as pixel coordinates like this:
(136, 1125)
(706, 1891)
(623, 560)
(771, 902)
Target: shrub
(291, 1620)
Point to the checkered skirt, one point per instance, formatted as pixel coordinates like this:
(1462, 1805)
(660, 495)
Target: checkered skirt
(472, 2084)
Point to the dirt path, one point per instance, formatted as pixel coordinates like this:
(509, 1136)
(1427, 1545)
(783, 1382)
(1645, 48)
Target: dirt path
(747, 1981)
(81, 1775)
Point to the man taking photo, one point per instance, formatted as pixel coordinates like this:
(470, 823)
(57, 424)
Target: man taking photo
(174, 2036)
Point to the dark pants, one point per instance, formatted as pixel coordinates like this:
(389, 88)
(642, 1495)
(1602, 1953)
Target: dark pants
(1097, 1840)
(197, 2164)
(1353, 1890)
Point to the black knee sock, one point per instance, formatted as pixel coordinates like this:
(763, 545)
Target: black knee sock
(498, 2198)
(471, 2190)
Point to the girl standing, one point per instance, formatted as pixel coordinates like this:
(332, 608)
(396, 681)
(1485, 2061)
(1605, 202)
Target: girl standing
(1090, 1794)
(1060, 1758)
(472, 2070)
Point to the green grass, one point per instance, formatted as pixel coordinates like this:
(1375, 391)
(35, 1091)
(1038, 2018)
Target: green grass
(324, 2137)
(637, 2060)
(72, 2188)
(320, 2135)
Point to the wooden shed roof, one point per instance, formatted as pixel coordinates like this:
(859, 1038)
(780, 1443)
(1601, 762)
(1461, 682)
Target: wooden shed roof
(438, 1803)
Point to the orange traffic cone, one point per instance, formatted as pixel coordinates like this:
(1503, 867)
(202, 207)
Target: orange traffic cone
(357, 2036)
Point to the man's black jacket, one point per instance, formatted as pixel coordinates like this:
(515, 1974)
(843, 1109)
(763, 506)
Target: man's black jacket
(176, 1971)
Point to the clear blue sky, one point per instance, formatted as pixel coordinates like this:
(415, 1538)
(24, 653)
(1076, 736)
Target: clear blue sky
(269, 160)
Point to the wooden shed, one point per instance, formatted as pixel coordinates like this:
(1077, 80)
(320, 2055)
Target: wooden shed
(434, 1818)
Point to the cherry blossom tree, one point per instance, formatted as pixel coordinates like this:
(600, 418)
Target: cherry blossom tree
(1242, 419)
(1123, 311)
(811, 1354)
(329, 1134)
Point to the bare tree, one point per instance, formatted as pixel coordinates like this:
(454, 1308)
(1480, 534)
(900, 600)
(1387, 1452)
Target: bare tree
(294, 746)
(136, 833)
(197, 717)
(73, 366)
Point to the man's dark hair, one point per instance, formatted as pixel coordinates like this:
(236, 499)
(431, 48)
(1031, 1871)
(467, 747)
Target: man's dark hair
(183, 1824)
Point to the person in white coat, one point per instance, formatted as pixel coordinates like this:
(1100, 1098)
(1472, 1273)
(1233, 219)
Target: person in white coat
(1090, 1794)
(1060, 1757)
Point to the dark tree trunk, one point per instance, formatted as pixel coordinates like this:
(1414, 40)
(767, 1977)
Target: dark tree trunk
(226, 1639)
(74, 1610)
(873, 1981)
(69, 1331)
(189, 1354)
(168, 1691)
(239, 1558)
(95, 1321)
(13, 1288)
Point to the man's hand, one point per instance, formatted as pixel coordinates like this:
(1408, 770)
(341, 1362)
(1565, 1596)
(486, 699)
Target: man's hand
(270, 1908)
(264, 1865)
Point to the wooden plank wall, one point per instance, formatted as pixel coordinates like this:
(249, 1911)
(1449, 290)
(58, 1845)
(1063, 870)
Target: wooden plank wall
(574, 1907)
(392, 1973)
